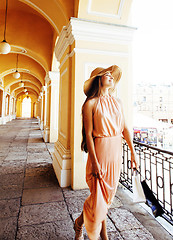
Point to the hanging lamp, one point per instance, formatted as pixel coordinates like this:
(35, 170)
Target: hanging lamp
(21, 84)
(25, 90)
(5, 47)
(16, 74)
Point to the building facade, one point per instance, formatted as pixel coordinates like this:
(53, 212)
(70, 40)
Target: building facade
(155, 101)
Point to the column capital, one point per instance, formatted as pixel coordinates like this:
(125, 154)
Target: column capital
(43, 89)
(93, 31)
(51, 76)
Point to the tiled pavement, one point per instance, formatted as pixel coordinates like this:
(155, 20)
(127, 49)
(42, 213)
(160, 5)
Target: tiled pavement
(34, 207)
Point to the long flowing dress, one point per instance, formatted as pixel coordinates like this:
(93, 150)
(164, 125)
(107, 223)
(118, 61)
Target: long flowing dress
(108, 124)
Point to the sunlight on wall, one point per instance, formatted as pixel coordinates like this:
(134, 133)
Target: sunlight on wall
(26, 107)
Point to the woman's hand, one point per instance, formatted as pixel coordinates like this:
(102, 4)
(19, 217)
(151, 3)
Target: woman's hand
(134, 161)
(96, 170)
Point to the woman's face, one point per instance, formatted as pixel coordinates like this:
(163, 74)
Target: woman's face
(107, 80)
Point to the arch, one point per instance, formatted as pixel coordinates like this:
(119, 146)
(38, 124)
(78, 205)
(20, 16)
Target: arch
(64, 10)
(26, 78)
(18, 91)
(25, 64)
(8, 77)
(16, 86)
(30, 94)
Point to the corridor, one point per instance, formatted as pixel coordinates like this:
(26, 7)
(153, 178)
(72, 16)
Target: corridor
(34, 207)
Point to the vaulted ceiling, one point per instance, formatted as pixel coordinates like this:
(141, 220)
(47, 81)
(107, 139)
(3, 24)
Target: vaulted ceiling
(32, 30)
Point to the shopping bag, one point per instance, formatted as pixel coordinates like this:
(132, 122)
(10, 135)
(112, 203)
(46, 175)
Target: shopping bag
(138, 193)
(152, 202)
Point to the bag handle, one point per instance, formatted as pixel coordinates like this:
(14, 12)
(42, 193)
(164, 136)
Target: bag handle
(136, 171)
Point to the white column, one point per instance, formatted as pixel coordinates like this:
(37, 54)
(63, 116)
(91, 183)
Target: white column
(54, 107)
(42, 111)
(47, 111)
(4, 108)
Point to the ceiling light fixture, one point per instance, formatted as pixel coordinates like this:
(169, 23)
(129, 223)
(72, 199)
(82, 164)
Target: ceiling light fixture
(16, 74)
(21, 84)
(5, 47)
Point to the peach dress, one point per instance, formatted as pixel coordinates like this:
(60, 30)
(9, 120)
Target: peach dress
(108, 124)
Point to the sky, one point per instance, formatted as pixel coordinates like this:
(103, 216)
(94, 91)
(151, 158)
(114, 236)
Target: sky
(153, 41)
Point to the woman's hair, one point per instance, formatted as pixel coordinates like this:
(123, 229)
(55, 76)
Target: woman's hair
(92, 93)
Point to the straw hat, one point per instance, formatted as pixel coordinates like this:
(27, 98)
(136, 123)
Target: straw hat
(114, 70)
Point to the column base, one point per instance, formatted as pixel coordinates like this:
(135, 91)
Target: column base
(62, 164)
(41, 125)
(46, 134)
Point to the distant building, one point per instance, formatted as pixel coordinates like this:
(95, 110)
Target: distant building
(155, 101)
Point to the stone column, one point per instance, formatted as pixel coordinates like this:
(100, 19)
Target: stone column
(54, 106)
(42, 94)
(46, 133)
(82, 46)
(3, 108)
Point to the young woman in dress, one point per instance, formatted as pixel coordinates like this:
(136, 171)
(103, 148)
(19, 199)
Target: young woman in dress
(103, 128)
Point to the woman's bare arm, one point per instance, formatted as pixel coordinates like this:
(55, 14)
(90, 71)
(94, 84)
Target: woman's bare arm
(88, 125)
(127, 137)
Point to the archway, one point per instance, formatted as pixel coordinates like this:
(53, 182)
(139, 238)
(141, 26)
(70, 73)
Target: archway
(26, 107)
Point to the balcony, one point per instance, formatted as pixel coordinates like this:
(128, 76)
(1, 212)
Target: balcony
(156, 167)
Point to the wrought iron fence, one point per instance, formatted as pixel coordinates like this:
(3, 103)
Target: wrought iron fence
(156, 167)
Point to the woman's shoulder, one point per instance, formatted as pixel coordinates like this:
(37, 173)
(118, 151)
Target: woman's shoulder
(90, 104)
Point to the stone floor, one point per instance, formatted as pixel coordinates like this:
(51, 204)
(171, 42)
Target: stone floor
(32, 204)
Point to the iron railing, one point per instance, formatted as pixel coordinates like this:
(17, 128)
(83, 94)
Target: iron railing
(156, 167)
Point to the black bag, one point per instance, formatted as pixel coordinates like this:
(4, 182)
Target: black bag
(151, 200)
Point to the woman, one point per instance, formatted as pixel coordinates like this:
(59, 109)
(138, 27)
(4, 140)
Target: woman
(103, 127)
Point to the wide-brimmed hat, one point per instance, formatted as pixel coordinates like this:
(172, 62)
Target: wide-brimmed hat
(114, 70)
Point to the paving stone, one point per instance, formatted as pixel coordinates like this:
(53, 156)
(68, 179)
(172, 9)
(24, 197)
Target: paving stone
(45, 169)
(137, 234)
(35, 140)
(75, 205)
(8, 228)
(32, 165)
(114, 236)
(35, 133)
(159, 233)
(36, 150)
(60, 230)
(17, 149)
(42, 213)
(69, 193)
(42, 195)
(35, 160)
(8, 192)
(116, 203)
(8, 168)
(9, 208)
(38, 145)
(11, 179)
(13, 156)
(38, 155)
(40, 181)
(119, 216)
